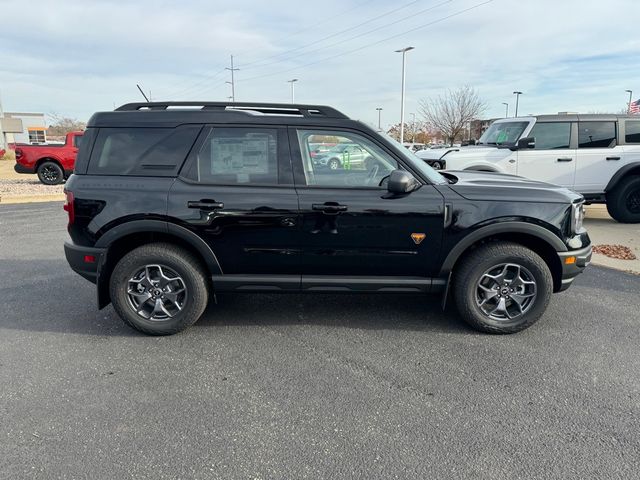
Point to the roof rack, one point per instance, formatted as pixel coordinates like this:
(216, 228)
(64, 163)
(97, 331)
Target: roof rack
(261, 108)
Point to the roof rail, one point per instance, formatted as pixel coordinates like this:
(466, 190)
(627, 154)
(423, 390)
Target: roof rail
(263, 108)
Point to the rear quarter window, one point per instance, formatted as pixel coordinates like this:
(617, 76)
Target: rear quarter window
(155, 152)
(632, 132)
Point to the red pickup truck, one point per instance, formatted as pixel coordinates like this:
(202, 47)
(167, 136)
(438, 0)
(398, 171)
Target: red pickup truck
(53, 163)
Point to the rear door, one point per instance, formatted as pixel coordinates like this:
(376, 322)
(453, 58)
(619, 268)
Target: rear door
(350, 226)
(553, 159)
(236, 192)
(599, 156)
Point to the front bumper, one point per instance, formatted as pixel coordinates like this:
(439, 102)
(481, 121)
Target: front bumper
(19, 168)
(85, 261)
(572, 268)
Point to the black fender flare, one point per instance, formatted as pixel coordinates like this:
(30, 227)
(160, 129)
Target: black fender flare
(496, 228)
(619, 175)
(146, 226)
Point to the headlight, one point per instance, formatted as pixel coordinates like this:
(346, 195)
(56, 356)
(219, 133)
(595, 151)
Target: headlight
(577, 217)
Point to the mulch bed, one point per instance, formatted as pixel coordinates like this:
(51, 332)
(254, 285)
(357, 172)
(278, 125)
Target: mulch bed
(615, 251)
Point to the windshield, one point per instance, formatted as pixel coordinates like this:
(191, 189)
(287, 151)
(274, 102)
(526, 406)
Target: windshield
(416, 162)
(503, 133)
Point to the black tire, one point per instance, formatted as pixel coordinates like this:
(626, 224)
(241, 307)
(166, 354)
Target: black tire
(172, 259)
(623, 203)
(471, 270)
(333, 164)
(50, 173)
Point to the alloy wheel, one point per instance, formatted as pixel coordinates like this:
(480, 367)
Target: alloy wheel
(156, 292)
(506, 291)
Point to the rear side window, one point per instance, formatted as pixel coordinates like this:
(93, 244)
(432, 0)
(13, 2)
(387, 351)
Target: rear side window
(77, 141)
(141, 151)
(551, 136)
(632, 132)
(596, 134)
(237, 156)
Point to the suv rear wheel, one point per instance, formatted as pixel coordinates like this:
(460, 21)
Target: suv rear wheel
(50, 173)
(502, 287)
(623, 203)
(159, 289)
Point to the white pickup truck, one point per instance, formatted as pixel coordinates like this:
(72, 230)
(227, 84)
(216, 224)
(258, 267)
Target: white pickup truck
(595, 155)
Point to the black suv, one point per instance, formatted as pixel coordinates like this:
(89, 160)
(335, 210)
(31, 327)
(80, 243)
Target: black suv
(173, 202)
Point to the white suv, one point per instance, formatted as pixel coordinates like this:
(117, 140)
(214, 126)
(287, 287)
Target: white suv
(595, 155)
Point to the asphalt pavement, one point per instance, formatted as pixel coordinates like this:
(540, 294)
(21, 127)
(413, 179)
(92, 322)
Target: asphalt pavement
(316, 386)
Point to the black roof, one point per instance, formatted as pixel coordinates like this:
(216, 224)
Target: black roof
(170, 114)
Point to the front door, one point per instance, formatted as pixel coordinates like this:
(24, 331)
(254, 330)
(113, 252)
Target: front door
(236, 192)
(350, 226)
(553, 159)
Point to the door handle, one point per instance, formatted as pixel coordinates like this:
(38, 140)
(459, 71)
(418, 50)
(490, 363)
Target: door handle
(613, 158)
(330, 209)
(565, 159)
(205, 204)
(512, 161)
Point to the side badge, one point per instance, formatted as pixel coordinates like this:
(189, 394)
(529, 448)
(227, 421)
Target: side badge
(417, 238)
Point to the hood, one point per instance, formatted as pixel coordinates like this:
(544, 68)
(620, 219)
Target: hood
(474, 185)
(437, 154)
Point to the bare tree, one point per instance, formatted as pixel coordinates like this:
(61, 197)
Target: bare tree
(450, 113)
(61, 125)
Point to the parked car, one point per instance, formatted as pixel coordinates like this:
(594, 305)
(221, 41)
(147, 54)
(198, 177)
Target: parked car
(343, 155)
(2, 152)
(595, 155)
(168, 207)
(52, 162)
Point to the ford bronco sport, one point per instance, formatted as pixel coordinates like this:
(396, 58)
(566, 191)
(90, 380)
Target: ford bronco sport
(171, 203)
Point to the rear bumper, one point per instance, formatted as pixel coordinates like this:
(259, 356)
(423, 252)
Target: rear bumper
(80, 257)
(572, 269)
(19, 168)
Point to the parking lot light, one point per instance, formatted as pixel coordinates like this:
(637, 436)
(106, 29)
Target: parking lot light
(404, 54)
(517, 94)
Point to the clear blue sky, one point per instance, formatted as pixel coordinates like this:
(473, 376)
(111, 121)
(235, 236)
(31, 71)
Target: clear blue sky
(74, 58)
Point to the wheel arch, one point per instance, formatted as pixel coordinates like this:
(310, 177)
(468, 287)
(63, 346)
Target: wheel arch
(628, 169)
(534, 237)
(125, 237)
(483, 168)
(55, 160)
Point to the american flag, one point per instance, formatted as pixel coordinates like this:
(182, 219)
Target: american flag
(634, 107)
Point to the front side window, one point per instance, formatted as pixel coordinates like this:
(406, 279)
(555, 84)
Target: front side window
(503, 133)
(352, 161)
(237, 156)
(551, 136)
(596, 134)
(632, 132)
(77, 141)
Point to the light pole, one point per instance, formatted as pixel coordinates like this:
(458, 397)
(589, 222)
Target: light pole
(379, 109)
(506, 113)
(517, 94)
(404, 54)
(293, 91)
(413, 127)
(630, 92)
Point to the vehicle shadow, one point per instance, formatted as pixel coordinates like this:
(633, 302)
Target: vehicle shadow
(46, 296)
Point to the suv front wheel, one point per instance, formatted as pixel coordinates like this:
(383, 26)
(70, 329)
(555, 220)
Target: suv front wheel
(502, 287)
(159, 289)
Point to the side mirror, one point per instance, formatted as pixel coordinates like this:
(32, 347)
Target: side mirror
(472, 142)
(526, 142)
(402, 182)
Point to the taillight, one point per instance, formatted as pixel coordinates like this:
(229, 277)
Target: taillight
(18, 153)
(69, 207)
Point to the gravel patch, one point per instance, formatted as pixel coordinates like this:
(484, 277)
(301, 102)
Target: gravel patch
(27, 186)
